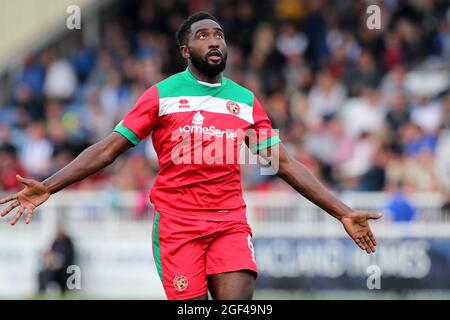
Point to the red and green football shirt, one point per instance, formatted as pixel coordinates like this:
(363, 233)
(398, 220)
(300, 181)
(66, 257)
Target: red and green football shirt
(197, 130)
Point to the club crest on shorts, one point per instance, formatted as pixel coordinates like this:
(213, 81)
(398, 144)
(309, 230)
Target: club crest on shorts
(233, 107)
(180, 282)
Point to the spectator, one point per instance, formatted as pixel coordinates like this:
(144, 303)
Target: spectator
(393, 54)
(414, 140)
(361, 157)
(36, 153)
(327, 96)
(374, 179)
(446, 206)
(60, 80)
(394, 81)
(55, 262)
(363, 73)
(103, 68)
(445, 101)
(112, 95)
(9, 168)
(291, 43)
(365, 114)
(100, 123)
(30, 75)
(334, 88)
(442, 160)
(398, 114)
(399, 207)
(427, 115)
(417, 172)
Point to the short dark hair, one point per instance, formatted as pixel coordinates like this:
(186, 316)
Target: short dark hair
(185, 27)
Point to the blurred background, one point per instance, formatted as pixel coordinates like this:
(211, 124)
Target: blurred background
(367, 111)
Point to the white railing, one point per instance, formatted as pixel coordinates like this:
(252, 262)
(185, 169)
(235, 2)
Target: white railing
(289, 214)
(115, 248)
(112, 213)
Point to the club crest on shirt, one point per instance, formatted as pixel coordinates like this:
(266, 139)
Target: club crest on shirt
(233, 107)
(180, 282)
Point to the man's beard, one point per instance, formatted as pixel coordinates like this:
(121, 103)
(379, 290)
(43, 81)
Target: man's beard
(202, 64)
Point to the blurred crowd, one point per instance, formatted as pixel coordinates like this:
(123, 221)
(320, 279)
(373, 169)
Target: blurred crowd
(364, 109)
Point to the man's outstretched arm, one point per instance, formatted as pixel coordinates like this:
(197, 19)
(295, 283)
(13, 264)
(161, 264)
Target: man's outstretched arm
(91, 160)
(295, 174)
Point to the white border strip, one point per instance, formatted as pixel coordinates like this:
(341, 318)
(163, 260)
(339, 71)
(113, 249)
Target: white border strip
(203, 103)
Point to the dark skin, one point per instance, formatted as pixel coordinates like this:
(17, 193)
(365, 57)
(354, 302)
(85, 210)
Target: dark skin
(205, 36)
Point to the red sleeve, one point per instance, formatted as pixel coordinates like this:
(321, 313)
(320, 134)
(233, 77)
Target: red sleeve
(262, 134)
(142, 119)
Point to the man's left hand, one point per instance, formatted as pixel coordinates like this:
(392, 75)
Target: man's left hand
(357, 226)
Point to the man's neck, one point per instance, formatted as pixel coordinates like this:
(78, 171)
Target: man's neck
(204, 78)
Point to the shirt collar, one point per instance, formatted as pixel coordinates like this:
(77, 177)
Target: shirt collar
(207, 84)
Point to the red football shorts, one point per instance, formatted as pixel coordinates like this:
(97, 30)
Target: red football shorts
(186, 251)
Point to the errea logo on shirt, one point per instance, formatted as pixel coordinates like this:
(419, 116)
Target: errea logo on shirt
(183, 104)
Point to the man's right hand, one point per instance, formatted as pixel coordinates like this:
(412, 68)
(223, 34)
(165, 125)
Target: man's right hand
(33, 195)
